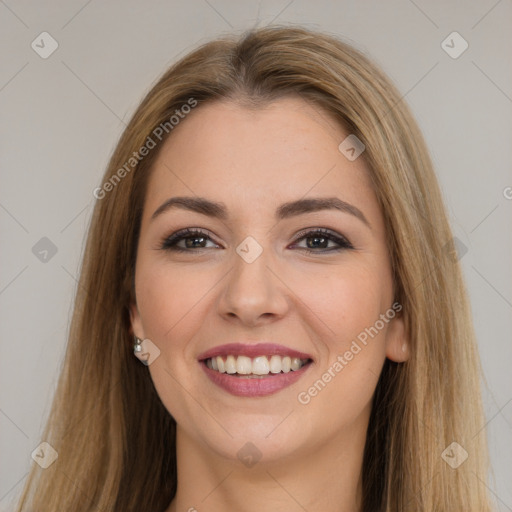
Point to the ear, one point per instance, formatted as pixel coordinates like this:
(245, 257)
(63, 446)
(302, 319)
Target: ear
(136, 322)
(397, 342)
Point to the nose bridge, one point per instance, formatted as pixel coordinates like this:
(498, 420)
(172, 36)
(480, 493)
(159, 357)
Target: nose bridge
(252, 288)
(251, 261)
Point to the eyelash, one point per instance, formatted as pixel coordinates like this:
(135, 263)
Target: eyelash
(170, 243)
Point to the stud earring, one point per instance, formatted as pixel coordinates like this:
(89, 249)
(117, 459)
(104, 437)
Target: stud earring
(137, 346)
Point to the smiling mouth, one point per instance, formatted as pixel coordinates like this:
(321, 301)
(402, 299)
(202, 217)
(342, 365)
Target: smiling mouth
(255, 367)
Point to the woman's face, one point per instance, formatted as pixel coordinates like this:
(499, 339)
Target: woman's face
(259, 272)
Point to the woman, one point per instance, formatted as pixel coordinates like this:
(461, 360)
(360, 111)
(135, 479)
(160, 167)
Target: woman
(269, 314)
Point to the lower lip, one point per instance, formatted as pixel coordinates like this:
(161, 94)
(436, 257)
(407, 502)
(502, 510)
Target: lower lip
(262, 386)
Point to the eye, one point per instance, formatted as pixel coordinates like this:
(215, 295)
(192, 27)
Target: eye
(193, 239)
(320, 239)
(186, 240)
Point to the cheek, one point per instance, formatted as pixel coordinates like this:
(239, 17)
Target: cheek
(171, 302)
(351, 335)
(345, 300)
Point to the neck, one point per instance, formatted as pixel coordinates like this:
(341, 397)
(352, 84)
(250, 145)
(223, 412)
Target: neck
(326, 477)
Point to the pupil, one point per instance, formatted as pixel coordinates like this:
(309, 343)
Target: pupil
(316, 238)
(189, 242)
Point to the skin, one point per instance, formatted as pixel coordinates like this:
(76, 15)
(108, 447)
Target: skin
(253, 161)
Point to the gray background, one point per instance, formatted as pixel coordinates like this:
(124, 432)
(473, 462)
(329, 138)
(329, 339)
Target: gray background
(61, 117)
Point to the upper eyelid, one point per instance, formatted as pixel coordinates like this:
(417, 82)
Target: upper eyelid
(325, 231)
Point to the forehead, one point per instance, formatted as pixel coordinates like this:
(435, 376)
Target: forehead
(254, 157)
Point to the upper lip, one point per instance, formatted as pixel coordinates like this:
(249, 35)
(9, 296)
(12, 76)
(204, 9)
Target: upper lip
(254, 350)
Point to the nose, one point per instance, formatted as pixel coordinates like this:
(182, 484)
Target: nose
(253, 293)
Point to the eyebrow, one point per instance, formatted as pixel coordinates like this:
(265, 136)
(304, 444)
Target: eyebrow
(218, 210)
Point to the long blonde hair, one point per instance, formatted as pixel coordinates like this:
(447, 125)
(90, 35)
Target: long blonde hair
(114, 438)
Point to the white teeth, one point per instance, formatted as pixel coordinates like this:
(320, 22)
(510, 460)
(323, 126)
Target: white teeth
(275, 364)
(230, 364)
(261, 365)
(243, 365)
(295, 364)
